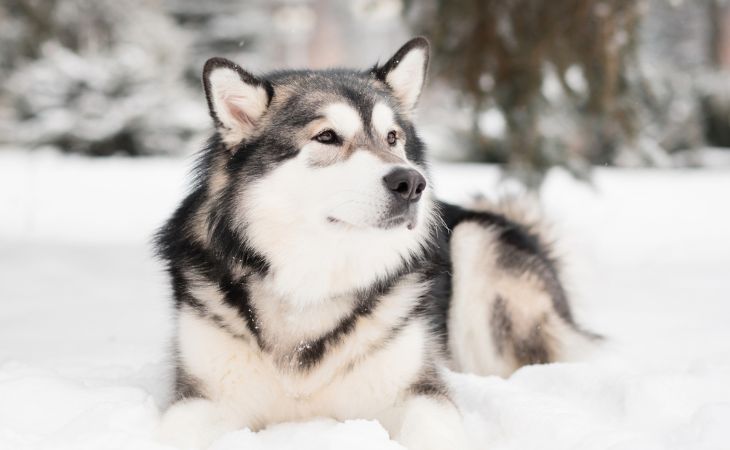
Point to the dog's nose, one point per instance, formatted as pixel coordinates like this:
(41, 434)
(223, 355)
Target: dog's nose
(407, 184)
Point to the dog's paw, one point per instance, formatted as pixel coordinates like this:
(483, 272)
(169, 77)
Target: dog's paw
(192, 425)
(432, 424)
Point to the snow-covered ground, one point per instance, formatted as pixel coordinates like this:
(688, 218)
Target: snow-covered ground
(85, 319)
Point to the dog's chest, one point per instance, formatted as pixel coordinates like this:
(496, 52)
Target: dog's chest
(312, 357)
(306, 339)
(289, 328)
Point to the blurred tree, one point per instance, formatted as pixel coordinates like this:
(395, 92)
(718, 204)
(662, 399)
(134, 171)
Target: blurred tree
(96, 77)
(558, 72)
(718, 16)
(227, 28)
(715, 101)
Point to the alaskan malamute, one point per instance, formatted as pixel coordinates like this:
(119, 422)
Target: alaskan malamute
(315, 274)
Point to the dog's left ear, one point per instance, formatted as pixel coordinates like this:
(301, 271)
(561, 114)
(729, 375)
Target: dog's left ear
(405, 72)
(237, 100)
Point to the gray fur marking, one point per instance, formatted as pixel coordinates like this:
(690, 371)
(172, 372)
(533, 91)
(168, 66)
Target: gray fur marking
(186, 386)
(500, 324)
(531, 349)
(430, 384)
(535, 348)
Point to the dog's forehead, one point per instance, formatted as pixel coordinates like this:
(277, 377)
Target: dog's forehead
(337, 96)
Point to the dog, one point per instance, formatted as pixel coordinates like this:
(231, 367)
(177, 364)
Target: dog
(315, 274)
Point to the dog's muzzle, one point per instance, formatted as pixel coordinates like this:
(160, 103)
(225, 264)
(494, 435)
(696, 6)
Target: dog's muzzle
(406, 186)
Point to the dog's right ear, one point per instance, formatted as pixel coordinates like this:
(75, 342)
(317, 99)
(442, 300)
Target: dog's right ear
(405, 72)
(237, 100)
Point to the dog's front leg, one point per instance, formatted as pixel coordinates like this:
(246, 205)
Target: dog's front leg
(196, 423)
(427, 423)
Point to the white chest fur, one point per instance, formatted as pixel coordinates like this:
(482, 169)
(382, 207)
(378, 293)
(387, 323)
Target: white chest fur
(264, 387)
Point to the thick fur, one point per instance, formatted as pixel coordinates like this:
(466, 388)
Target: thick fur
(305, 287)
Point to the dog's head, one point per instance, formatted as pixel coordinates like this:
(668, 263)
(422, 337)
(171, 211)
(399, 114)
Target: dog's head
(324, 165)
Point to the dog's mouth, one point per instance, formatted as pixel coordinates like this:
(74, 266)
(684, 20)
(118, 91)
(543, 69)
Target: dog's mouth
(340, 222)
(399, 215)
(408, 219)
(393, 222)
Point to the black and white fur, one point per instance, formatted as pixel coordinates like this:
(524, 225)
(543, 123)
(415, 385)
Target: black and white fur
(315, 275)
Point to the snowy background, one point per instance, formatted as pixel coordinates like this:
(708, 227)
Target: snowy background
(101, 111)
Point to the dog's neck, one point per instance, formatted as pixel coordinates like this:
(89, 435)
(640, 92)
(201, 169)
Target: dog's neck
(310, 274)
(312, 263)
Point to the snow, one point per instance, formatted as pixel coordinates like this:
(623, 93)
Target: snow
(85, 322)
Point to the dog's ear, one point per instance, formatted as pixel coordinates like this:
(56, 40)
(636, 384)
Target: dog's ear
(405, 72)
(237, 100)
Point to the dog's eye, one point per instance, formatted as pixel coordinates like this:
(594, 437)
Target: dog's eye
(327, 137)
(392, 138)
